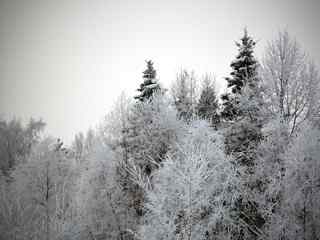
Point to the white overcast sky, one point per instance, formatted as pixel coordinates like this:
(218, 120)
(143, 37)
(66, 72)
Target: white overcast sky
(67, 61)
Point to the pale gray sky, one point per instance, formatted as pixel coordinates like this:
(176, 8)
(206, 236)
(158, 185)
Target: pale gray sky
(67, 61)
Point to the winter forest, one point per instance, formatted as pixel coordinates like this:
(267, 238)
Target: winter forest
(182, 163)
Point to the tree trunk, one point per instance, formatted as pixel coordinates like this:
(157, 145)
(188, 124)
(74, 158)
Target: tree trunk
(47, 204)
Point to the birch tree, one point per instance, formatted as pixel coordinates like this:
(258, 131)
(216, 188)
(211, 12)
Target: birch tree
(291, 81)
(184, 91)
(191, 194)
(44, 184)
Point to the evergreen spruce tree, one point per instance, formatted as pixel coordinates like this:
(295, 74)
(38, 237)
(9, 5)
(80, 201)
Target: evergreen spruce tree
(245, 88)
(244, 68)
(208, 104)
(150, 84)
(243, 106)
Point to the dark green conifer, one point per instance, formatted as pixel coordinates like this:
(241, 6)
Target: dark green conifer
(244, 68)
(150, 84)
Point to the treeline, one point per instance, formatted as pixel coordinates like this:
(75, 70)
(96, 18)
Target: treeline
(181, 163)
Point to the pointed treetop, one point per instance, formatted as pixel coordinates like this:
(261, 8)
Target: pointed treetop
(244, 70)
(244, 66)
(150, 72)
(150, 84)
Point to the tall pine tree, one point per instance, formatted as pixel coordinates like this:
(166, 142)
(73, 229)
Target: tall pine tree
(150, 84)
(244, 68)
(243, 107)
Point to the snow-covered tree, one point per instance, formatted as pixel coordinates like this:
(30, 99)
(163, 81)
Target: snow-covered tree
(44, 184)
(244, 68)
(302, 186)
(83, 145)
(184, 92)
(78, 146)
(153, 128)
(291, 187)
(16, 141)
(241, 142)
(150, 84)
(18, 219)
(269, 172)
(100, 199)
(191, 194)
(207, 107)
(242, 139)
(243, 136)
(138, 132)
(291, 82)
(115, 127)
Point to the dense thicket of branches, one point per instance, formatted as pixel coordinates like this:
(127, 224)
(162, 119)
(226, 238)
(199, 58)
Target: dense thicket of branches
(178, 164)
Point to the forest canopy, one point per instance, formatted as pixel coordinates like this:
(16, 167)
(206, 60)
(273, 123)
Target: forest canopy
(182, 163)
